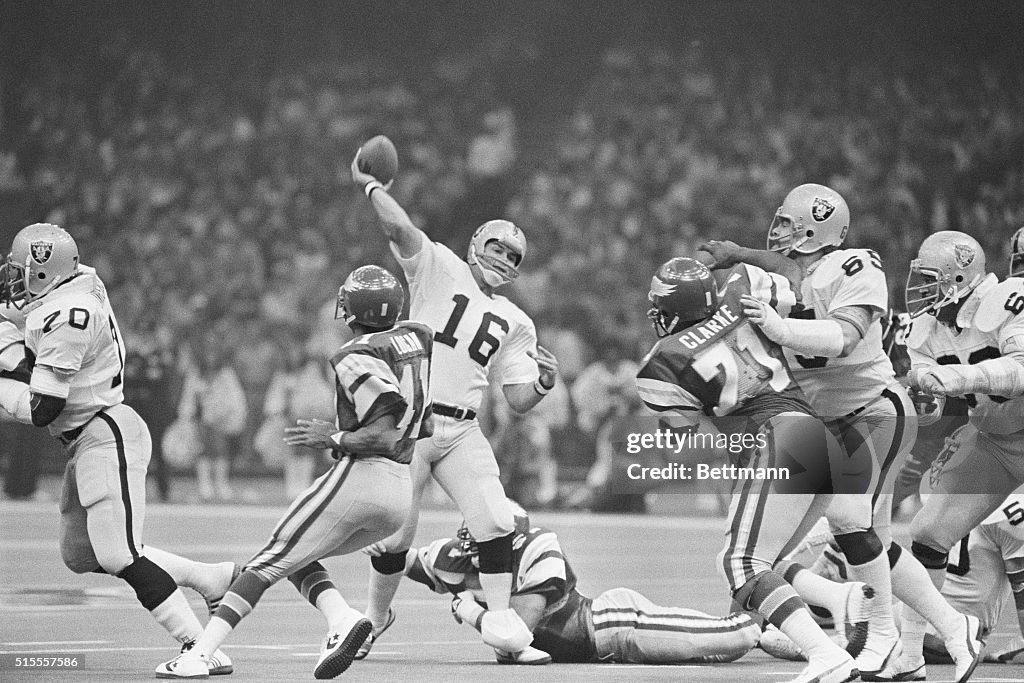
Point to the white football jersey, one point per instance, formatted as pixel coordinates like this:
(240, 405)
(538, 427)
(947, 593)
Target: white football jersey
(475, 336)
(976, 580)
(79, 354)
(837, 386)
(988, 324)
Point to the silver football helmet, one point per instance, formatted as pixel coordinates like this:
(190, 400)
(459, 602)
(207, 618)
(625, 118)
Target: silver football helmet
(949, 265)
(42, 256)
(811, 217)
(496, 272)
(1017, 254)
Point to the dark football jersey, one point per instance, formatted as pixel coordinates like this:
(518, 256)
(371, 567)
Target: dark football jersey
(386, 373)
(725, 365)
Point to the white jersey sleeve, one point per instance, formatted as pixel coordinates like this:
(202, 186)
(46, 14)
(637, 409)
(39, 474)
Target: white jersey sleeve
(431, 264)
(855, 278)
(771, 288)
(512, 364)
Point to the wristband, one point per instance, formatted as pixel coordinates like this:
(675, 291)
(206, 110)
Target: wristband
(540, 388)
(371, 186)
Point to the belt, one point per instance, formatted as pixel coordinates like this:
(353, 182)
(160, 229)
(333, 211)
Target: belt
(452, 411)
(72, 434)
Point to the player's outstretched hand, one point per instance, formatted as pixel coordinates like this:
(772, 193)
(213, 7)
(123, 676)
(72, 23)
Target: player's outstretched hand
(724, 254)
(547, 364)
(931, 380)
(764, 316)
(361, 178)
(310, 433)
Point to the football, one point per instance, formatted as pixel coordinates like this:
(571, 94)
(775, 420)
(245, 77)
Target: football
(379, 158)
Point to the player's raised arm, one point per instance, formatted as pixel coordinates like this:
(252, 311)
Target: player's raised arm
(397, 225)
(724, 254)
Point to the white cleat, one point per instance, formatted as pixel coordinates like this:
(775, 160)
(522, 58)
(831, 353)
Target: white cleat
(220, 664)
(339, 648)
(185, 665)
(531, 656)
(965, 647)
(367, 645)
(839, 671)
(852, 619)
(903, 669)
(779, 645)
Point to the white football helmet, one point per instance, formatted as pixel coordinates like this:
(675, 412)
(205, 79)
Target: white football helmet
(1017, 254)
(496, 272)
(42, 256)
(811, 217)
(949, 265)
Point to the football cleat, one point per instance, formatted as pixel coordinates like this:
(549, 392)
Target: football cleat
(852, 619)
(367, 645)
(839, 671)
(779, 645)
(903, 669)
(339, 649)
(881, 646)
(531, 656)
(965, 647)
(186, 665)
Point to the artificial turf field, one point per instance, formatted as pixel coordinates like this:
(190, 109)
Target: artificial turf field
(47, 610)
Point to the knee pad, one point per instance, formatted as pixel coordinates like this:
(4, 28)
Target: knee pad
(928, 556)
(151, 583)
(860, 547)
(389, 563)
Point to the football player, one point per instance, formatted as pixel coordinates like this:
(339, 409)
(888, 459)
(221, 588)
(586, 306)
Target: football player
(966, 339)
(833, 343)
(618, 626)
(1017, 254)
(383, 403)
(479, 335)
(714, 362)
(62, 367)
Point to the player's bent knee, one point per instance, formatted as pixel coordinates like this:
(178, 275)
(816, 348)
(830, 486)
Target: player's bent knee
(80, 563)
(390, 563)
(152, 584)
(930, 557)
(860, 547)
(928, 533)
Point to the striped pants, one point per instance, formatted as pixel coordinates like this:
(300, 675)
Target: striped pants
(630, 629)
(769, 517)
(357, 502)
(103, 499)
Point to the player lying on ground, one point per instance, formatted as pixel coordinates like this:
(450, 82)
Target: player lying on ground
(383, 403)
(481, 336)
(62, 367)
(619, 625)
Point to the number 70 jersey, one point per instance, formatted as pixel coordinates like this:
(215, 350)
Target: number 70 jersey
(79, 354)
(476, 337)
(720, 366)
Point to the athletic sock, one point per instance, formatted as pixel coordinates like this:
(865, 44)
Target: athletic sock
(316, 586)
(814, 589)
(176, 615)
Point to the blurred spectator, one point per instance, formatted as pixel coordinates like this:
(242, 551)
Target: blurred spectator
(212, 396)
(302, 388)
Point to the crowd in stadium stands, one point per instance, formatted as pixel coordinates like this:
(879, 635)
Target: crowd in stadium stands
(212, 197)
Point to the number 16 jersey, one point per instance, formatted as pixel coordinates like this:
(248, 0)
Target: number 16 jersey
(476, 337)
(725, 365)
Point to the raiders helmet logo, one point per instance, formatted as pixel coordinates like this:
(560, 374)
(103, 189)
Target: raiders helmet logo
(41, 251)
(963, 254)
(660, 288)
(821, 209)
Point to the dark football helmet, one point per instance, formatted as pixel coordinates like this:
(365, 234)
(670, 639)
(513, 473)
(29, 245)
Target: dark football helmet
(683, 292)
(371, 297)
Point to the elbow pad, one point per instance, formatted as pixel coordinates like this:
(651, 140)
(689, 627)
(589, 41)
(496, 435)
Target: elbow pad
(812, 337)
(15, 399)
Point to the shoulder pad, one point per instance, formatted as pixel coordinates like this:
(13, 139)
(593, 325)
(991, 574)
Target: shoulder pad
(994, 310)
(920, 328)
